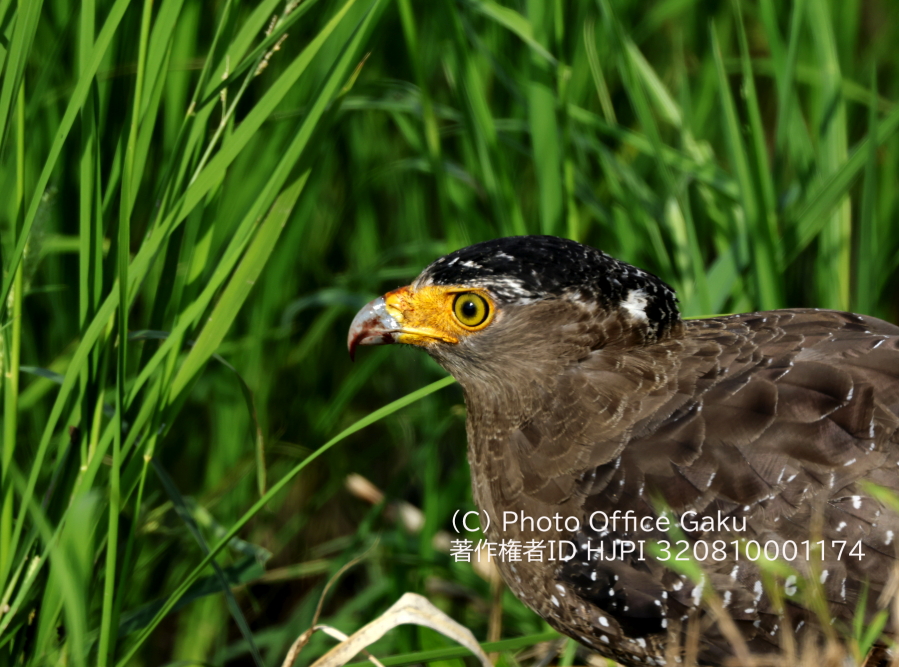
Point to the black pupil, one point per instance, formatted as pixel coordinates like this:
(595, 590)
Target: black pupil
(469, 309)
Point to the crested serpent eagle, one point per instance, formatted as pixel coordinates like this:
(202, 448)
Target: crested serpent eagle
(589, 398)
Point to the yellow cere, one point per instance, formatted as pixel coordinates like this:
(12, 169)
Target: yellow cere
(439, 313)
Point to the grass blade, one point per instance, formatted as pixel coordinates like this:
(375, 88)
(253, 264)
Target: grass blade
(238, 289)
(65, 126)
(275, 489)
(183, 512)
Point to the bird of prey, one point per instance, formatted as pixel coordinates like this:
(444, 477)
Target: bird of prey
(601, 421)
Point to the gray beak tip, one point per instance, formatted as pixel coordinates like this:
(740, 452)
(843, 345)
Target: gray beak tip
(373, 325)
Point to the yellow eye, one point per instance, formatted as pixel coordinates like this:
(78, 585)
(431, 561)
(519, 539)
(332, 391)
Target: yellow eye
(471, 309)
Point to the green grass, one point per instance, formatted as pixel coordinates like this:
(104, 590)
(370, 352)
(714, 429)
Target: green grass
(242, 185)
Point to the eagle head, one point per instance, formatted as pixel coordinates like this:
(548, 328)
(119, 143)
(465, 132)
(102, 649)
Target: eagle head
(521, 303)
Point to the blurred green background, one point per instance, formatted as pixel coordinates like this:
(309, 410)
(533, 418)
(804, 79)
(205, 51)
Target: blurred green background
(244, 176)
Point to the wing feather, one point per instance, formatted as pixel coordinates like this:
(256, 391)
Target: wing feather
(776, 417)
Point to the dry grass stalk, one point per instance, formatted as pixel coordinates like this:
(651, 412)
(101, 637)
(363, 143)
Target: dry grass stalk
(409, 609)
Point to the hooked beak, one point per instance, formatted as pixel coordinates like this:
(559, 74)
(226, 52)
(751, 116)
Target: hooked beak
(399, 316)
(373, 325)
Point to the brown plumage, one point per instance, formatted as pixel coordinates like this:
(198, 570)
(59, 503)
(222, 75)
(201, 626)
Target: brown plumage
(586, 393)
